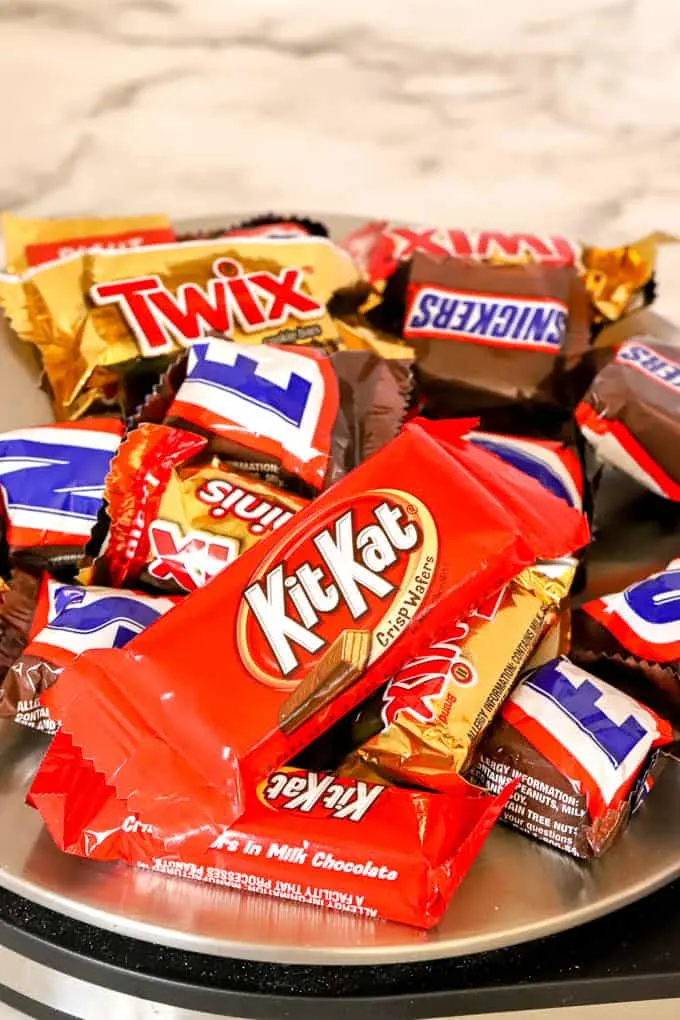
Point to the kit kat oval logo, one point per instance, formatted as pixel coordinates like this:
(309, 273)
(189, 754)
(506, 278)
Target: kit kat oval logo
(361, 567)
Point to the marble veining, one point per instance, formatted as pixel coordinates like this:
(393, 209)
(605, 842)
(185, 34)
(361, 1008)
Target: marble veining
(560, 116)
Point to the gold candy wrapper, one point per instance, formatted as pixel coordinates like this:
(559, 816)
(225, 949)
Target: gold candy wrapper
(436, 708)
(196, 519)
(95, 317)
(615, 277)
(31, 242)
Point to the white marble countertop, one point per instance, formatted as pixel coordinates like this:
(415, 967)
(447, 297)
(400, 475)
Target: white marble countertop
(559, 116)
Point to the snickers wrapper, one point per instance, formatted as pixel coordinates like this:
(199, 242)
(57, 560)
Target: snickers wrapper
(617, 279)
(485, 335)
(309, 838)
(585, 755)
(100, 318)
(632, 639)
(301, 628)
(631, 415)
(435, 710)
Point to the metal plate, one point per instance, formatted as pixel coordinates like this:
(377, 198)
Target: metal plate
(517, 890)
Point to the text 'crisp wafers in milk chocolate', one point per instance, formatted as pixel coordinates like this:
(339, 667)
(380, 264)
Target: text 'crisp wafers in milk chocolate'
(631, 415)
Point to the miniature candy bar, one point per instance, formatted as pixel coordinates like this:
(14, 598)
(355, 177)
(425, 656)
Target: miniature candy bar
(583, 752)
(67, 621)
(31, 242)
(436, 708)
(631, 415)
(310, 838)
(385, 550)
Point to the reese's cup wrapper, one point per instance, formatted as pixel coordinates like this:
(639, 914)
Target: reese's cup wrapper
(30, 242)
(631, 415)
(69, 620)
(632, 638)
(320, 614)
(178, 515)
(435, 709)
(100, 316)
(584, 754)
(363, 849)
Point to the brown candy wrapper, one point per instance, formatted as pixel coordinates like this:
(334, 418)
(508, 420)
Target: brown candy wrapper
(487, 335)
(95, 317)
(16, 613)
(434, 711)
(586, 756)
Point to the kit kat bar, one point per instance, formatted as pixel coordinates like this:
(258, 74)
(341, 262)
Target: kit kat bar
(343, 663)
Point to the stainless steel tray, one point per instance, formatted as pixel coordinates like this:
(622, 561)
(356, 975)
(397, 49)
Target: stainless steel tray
(516, 890)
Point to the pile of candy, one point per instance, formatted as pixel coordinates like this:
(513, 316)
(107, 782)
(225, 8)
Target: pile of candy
(290, 580)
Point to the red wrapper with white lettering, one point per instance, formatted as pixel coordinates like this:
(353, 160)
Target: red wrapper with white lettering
(379, 246)
(367, 850)
(631, 415)
(307, 624)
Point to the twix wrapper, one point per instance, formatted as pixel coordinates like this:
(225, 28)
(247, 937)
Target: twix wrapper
(435, 709)
(30, 242)
(98, 317)
(617, 279)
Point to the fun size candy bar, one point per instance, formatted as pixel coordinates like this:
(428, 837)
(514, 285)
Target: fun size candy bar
(435, 709)
(584, 754)
(553, 464)
(98, 317)
(52, 481)
(631, 415)
(30, 242)
(632, 637)
(178, 515)
(386, 551)
(310, 416)
(312, 839)
(69, 620)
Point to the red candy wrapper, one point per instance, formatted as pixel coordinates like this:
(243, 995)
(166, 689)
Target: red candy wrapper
(304, 626)
(372, 851)
(379, 246)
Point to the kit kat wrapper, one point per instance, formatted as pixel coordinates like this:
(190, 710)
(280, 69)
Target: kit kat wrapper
(380, 852)
(238, 679)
